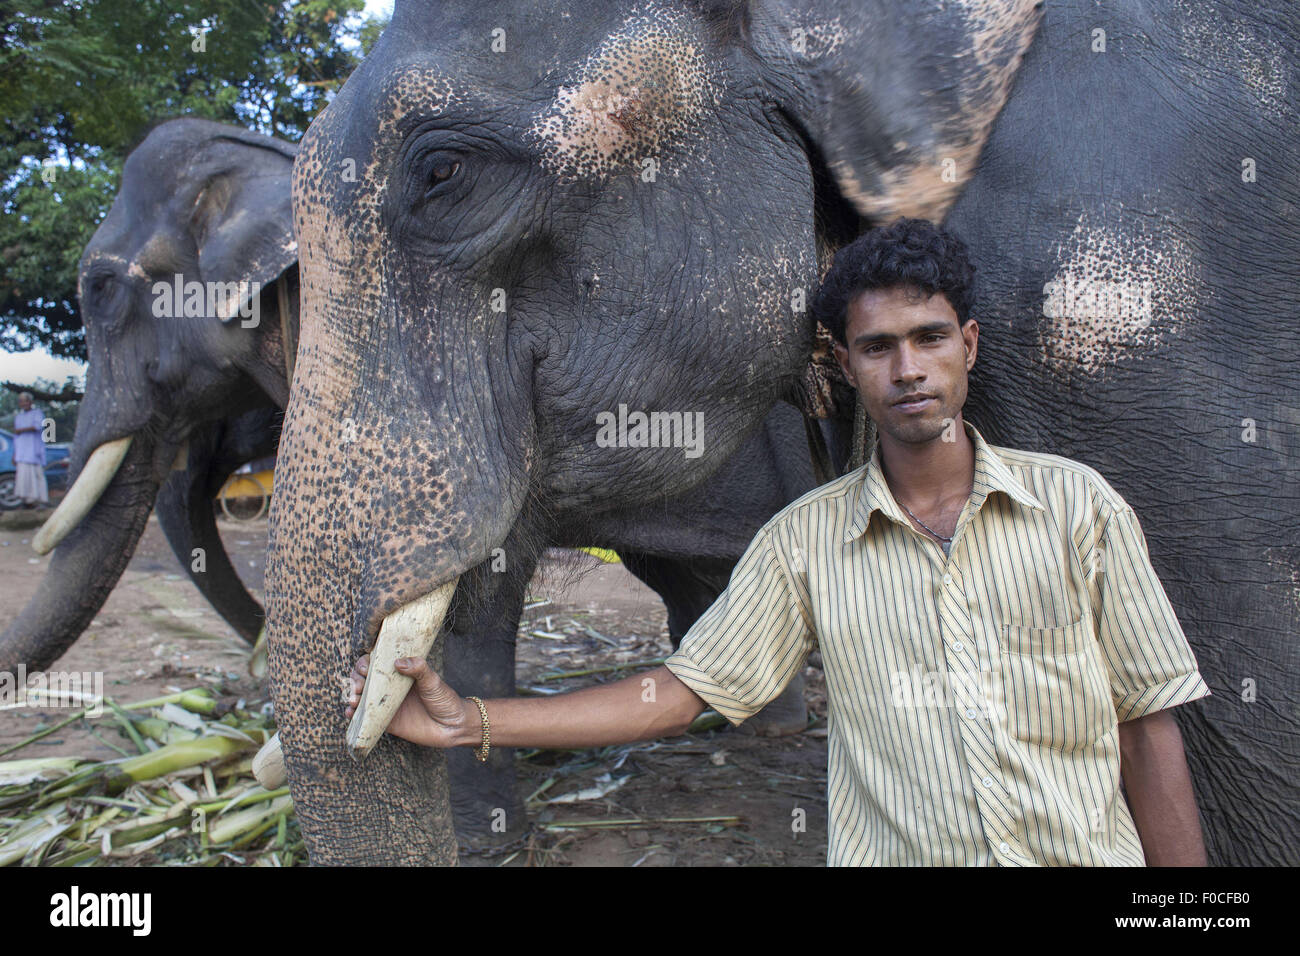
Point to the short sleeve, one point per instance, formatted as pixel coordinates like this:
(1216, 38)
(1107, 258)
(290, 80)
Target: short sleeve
(1150, 662)
(751, 641)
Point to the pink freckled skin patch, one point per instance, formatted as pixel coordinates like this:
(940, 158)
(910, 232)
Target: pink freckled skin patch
(1119, 290)
(645, 90)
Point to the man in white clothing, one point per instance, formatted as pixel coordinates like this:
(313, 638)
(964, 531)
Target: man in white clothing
(29, 454)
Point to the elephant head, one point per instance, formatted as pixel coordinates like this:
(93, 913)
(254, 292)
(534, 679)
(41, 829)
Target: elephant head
(521, 226)
(203, 212)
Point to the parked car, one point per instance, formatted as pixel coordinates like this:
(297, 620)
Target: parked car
(56, 469)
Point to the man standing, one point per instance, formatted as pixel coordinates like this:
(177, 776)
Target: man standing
(29, 454)
(998, 651)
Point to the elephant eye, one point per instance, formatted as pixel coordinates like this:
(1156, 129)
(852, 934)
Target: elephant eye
(441, 171)
(103, 299)
(102, 288)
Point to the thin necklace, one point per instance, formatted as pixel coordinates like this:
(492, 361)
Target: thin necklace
(941, 537)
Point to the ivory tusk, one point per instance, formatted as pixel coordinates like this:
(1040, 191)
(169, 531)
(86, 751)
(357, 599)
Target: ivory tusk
(100, 468)
(268, 765)
(408, 632)
(182, 460)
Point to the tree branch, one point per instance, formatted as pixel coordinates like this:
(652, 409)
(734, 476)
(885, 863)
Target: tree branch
(69, 394)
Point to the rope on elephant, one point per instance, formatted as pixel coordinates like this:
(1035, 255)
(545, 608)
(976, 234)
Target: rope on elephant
(863, 442)
(864, 438)
(823, 469)
(288, 340)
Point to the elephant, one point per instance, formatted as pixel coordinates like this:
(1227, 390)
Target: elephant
(214, 449)
(1137, 252)
(502, 241)
(175, 398)
(541, 297)
(210, 202)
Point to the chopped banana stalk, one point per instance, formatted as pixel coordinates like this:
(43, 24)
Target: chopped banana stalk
(268, 765)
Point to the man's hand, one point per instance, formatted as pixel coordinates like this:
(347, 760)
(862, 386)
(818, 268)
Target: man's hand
(432, 714)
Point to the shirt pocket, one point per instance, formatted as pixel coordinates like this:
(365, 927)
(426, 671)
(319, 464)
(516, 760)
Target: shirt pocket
(1049, 641)
(1054, 690)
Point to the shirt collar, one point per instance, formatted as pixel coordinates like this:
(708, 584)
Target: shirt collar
(991, 474)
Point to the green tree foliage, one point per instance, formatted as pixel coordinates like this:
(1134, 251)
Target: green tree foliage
(82, 81)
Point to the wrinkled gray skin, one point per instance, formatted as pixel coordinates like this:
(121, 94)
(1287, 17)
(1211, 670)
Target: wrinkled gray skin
(209, 202)
(1125, 168)
(496, 247)
(220, 390)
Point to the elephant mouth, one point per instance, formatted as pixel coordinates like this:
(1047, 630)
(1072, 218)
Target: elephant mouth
(95, 477)
(409, 631)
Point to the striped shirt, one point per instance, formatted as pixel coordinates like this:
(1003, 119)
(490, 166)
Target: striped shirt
(973, 697)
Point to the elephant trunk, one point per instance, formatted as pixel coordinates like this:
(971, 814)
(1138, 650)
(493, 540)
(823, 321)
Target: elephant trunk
(408, 449)
(379, 514)
(185, 512)
(187, 518)
(92, 553)
(410, 631)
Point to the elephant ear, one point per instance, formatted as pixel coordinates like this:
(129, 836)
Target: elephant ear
(242, 216)
(895, 99)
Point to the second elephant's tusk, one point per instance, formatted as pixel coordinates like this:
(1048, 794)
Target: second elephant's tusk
(408, 632)
(100, 468)
(257, 657)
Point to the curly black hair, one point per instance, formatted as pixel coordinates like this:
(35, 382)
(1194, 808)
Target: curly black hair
(913, 253)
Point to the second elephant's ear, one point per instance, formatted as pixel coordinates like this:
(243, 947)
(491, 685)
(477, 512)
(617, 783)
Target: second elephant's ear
(896, 98)
(242, 217)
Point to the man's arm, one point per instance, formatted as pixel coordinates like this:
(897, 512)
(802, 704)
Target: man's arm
(1159, 790)
(642, 707)
(1152, 669)
(738, 656)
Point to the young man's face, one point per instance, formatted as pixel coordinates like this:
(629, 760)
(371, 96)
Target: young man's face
(908, 358)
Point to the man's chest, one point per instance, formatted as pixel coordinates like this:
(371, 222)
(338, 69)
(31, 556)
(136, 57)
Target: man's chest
(908, 637)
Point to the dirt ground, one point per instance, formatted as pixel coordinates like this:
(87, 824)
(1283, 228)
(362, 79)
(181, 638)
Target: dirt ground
(714, 798)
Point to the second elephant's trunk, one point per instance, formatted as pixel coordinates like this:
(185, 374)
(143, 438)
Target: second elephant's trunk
(185, 511)
(88, 561)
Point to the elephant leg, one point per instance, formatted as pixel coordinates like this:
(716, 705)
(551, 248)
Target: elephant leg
(786, 715)
(479, 659)
(688, 588)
